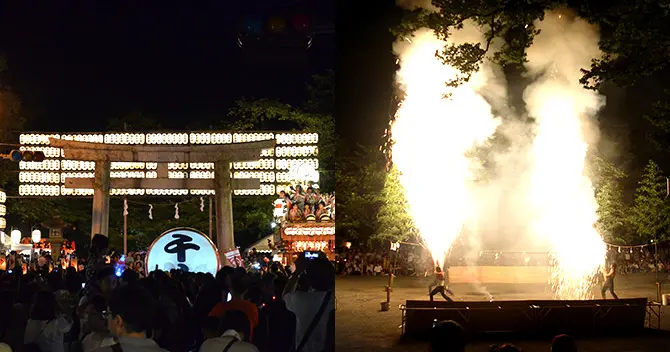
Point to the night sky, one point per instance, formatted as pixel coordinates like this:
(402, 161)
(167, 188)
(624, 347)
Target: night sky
(76, 64)
(366, 67)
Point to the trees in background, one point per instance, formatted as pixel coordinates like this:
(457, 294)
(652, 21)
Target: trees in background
(394, 220)
(360, 179)
(633, 37)
(650, 212)
(613, 213)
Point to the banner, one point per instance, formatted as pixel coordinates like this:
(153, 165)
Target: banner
(184, 249)
(235, 258)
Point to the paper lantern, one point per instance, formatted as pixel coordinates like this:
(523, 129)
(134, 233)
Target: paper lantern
(36, 236)
(16, 236)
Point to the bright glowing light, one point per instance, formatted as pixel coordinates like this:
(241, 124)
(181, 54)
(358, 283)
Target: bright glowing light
(560, 193)
(36, 235)
(432, 135)
(15, 236)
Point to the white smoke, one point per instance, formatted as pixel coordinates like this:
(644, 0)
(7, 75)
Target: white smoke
(433, 135)
(561, 195)
(535, 194)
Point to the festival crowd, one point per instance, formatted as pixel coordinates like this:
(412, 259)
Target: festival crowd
(412, 260)
(109, 305)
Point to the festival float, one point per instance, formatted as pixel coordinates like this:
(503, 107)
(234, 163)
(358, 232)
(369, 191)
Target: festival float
(311, 232)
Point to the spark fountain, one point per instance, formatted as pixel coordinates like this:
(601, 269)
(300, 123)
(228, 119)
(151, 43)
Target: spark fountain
(435, 127)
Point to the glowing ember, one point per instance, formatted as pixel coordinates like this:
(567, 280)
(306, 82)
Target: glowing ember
(432, 135)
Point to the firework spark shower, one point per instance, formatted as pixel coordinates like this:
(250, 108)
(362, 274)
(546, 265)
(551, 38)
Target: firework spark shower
(561, 194)
(540, 183)
(432, 136)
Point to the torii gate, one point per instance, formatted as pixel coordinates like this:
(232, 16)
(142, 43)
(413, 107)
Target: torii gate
(222, 184)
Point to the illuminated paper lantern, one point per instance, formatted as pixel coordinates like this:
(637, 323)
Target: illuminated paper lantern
(16, 236)
(36, 235)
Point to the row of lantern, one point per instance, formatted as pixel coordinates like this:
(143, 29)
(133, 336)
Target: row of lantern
(16, 235)
(277, 24)
(53, 153)
(32, 139)
(76, 165)
(55, 190)
(59, 177)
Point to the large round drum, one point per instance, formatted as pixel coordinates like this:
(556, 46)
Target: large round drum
(185, 249)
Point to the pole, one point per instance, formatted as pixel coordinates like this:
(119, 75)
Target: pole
(389, 286)
(225, 238)
(658, 283)
(125, 226)
(210, 217)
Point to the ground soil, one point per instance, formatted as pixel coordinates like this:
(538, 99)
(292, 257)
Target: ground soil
(361, 326)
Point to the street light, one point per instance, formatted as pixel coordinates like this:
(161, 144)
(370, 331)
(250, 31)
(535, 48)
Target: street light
(16, 236)
(36, 236)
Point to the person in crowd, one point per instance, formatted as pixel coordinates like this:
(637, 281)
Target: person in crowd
(129, 277)
(94, 322)
(130, 319)
(42, 312)
(295, 214)
(276, 329)
(307, 210)
(440, 286)
(210, 327)
(310, 198)
(234, 329)
(309, 295)
(321, 210)
(609, 282)
(238, 302)
(447, 336)
(563, 343)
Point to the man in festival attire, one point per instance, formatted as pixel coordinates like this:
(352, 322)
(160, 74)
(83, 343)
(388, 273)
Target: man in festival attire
(440, 285)
(609, 282)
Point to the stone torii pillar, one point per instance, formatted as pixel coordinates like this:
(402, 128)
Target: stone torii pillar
(223, 184)
(101, 187)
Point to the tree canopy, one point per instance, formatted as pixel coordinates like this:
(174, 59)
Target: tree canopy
(649, 215)
(394, 221)
(360, 179)
(634, 40)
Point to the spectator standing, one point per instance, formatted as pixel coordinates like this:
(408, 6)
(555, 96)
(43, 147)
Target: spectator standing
(129, 318)
(309, 295)
(234, 329)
